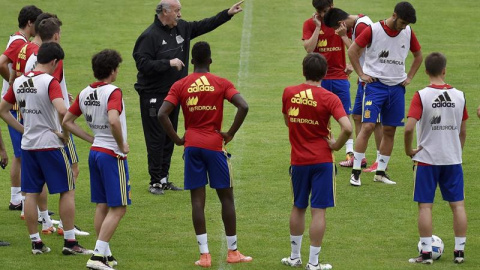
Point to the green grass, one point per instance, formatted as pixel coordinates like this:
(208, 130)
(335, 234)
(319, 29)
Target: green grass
(372, 227)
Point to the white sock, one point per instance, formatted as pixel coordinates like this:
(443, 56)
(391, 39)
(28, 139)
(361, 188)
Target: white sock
(46, 221)
(378, 156)
(357, 162)
(232, 242)
(314, 252)
(101, 248)
(69, 235)
(163, 180)
(296, 244)
(60, 224)
(383, 162)
(203, 243)
(349, 146)
(460, 243)
(16, 195)
(23, 206)
(35, 237)
(108, 252)
(426, 243)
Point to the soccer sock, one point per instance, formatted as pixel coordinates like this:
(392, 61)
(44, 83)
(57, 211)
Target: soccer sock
(163, 180)
(69, 235)
(232, 242)
(296, 244)
(203, 243)
(460, 243)
(60, 224)
(16, 196)
(349, 146)
(108, 252)
(35, 237)
(357, 162)
(23, 206)
(101, 248)
(382, 162)
(314, 252)
(426, 243)
(46, 221)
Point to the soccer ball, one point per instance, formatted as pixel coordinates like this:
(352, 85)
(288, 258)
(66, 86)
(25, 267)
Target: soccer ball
(437, 247)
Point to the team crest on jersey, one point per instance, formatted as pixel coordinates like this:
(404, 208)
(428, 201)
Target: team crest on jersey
(92, 99)
(366, 115)
(201, 85)
(293, 111)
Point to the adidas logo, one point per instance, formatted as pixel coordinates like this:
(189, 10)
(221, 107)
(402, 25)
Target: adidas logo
(436, 120)
(293, 111)
(424, 244)
(92, 99)
(403, 46)
(293, 243)
(192, 101)
(27, 87)
(234, 244)
(443, 100)
(201, 85)
(383, 54)
(322, 43)
(164, 42)
(88, 118)
(305, 97)
(381, 160)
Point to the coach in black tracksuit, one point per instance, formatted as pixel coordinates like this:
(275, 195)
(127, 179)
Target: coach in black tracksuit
(161, 54)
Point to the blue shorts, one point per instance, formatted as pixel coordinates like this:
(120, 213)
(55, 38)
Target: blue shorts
(389, 101)
(204, 166)
(358, 103)
(341, 88)
(51, 167)
(109, 179)
(16, 136)
(71, 151)
(317, 179)
(448, 177)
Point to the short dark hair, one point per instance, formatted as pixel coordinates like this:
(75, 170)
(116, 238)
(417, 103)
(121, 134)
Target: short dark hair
(435, 63)
(28, 13)
(406, 12)
(333, 16)
(105, 62)
(48, 27)
(44, 16)
(201, 53)
(321, 4)
(314, 67)
(50, 51)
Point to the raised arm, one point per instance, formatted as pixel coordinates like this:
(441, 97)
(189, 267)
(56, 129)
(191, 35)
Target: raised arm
(311, 43)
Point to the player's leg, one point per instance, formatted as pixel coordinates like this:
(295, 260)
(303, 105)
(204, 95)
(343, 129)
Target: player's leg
(386, 147)
(43, 216)
(460, 230)
(15, 168)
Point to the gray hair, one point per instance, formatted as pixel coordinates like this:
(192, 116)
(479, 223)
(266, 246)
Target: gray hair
(164, 4)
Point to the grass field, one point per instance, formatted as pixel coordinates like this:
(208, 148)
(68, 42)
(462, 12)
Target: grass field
(372, 227)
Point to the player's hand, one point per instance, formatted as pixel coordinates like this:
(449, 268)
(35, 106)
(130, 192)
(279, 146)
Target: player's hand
(70, 97)
(179, 141)
(3, 158)
(407, 81)
(235, 9)
(413, 152)
(341, 30)
(177, 63)
(331, 143)
(60, 135)
(316, 20)
(226, 137)
(125, 148)
(349, 69)
(367, 79)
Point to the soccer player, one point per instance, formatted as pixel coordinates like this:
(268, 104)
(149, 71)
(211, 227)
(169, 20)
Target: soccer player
(439, 113)
(307, 109)
(44, 160)
(201, 96)
(26, 20)
(102, 104)
(354, 25)
(317, 37)
(385, 45)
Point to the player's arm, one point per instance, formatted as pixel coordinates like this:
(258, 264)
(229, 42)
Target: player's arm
(163, 113)
(345, 132)
(417, 62)
(463, 133)
(70, 125)
(145, 59)
(242, 110)
(3, 152)
(354, 53)
(4, 71)
(116, 127)
(311, 43)
(5, 114)
(59, 105)
(342, 32)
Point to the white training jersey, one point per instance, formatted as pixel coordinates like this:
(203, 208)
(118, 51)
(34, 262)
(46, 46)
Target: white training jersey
(5, 84)
(385, 58)
(439, 127)
(94, 105)
(365, 20)
(40, 117)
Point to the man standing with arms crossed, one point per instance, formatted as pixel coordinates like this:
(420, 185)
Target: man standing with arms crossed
(161, 54)
(201, 95)
(386, 45)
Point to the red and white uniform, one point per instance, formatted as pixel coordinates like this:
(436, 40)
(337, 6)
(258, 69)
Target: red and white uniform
(331, 46)
(201, 96)
(309, 109)
(361, 24)
(440, 110)
(34, 94)
(15, 43)
(385, 57)
(94, 102)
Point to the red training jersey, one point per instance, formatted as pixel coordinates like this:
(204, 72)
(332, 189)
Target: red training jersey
(331, 46)
(308, 109)
(201, 96)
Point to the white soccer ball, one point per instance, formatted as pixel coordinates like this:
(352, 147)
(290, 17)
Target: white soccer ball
(437, 247)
